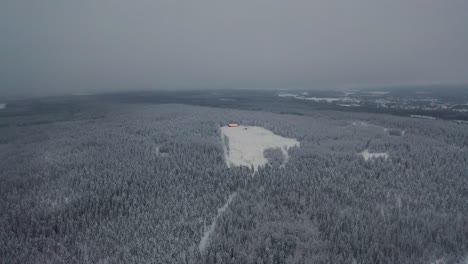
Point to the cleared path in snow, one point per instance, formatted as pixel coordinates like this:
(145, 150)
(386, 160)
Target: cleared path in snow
(245, 145)
(206, 235)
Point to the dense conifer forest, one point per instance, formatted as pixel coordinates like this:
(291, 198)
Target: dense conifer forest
(109, 182)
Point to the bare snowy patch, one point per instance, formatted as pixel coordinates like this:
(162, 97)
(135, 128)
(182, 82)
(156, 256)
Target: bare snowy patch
(423, 117)
(322, 99)
(360, 123)
(349, 92)
(161, 153)
(245, 145)
(368, 156)
(287, 95)
(394, 131)
(446, 261)
(349, 105)
(331, 99)
(377, 92)
(463, 122)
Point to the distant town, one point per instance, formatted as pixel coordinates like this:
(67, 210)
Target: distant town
(413, 103)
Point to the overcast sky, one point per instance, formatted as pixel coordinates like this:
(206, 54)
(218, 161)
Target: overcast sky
(61, 46)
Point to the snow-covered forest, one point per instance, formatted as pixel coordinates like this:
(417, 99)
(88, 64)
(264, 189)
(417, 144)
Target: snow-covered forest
(141, 183)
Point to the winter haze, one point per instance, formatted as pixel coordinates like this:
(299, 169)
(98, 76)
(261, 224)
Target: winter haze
(67, 47)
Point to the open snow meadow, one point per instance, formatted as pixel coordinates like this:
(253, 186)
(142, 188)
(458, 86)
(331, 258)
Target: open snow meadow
(368, 156)
(112, 182)
(245, 145)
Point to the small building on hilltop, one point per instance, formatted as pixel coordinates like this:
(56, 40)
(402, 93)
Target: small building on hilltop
(233, 125)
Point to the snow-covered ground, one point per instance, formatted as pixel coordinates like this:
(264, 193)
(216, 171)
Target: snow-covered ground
(461, 122)
(444, 261)
(208, 231)
(377, 92)
(287, 95)
(322, 99)
(159, 153)
(349, 105)
(348, 92)
(2, 106)
(360, 123)
(246, 144)
(367, 155)
(423, 117)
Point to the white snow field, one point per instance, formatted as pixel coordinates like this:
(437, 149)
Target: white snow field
(207, 233)
(367, 155)
(321, 99)
(360, 123)
(2, 106)
(349, 105)
(246, 145)
(423, 117)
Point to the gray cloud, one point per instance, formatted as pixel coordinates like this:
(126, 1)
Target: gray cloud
(56, 46)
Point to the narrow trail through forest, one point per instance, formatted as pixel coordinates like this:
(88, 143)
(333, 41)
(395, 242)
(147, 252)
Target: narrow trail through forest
(206, 236)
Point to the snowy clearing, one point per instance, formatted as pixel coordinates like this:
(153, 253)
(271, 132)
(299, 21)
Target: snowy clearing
(423, 117)
(2, 106)
(444, 261)
(350, 92)
(287, 95)
(360, 123)
(461, 122)
(160, 153)
(321, 99)
(377, 92)
(349, 105)
(208, 231)
(245, 145)
(367, 155)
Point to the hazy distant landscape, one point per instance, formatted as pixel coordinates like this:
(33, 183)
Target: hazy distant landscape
(143, 178)
(438, 102)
